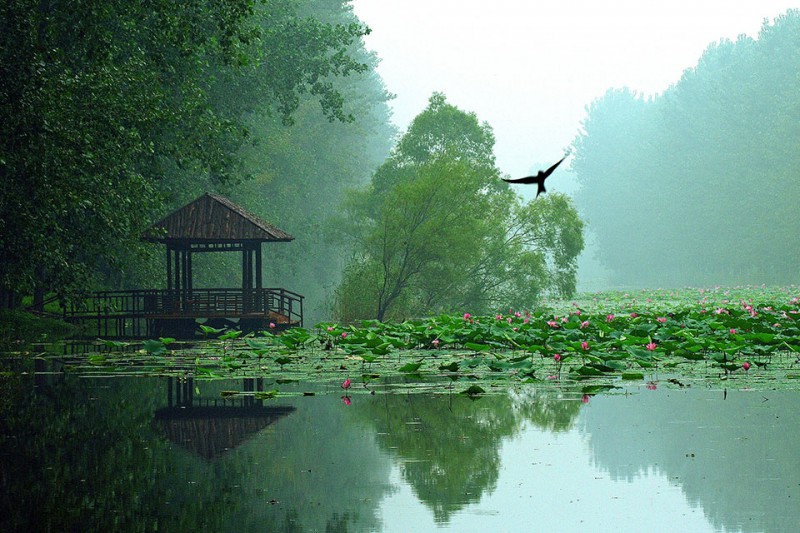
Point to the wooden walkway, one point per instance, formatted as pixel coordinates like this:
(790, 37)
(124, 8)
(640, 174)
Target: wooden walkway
(155, 313)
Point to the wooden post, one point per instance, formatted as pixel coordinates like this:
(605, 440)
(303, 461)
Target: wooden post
(259, 279)
(169, 267)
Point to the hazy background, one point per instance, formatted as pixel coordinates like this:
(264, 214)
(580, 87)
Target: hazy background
(530, 68)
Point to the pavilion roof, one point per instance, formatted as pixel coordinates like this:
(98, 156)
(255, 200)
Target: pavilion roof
(213, 218)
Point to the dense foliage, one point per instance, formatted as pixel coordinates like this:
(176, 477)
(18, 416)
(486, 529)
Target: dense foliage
(699, 184)
(113, 113)
(437, 230)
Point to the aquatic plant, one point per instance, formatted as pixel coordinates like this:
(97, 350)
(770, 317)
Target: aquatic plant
(651, 336)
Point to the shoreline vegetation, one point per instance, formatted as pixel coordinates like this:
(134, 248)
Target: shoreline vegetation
(744, 337)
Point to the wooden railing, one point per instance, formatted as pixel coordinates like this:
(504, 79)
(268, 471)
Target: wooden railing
(124, 313)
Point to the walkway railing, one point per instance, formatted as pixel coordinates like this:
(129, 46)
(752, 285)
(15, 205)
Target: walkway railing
(132, 312)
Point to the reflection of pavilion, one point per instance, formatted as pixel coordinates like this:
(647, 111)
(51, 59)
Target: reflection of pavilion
(212, 426)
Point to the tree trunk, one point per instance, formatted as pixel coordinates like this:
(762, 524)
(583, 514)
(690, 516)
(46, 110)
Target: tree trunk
(38, 290)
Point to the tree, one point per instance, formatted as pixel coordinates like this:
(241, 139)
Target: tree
(300, 173)
(437, 230)
(111, 112)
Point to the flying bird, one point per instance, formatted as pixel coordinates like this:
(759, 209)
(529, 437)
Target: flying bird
(539, 178)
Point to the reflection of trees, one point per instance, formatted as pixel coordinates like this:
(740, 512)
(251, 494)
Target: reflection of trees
(82, 454)
(317, 462)
(736, 458)
(79, 455)
(448, 445)
(548, 409)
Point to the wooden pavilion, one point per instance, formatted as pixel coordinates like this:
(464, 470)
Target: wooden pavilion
(211, 223)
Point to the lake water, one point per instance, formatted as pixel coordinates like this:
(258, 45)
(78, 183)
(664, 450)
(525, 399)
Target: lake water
(144, 454)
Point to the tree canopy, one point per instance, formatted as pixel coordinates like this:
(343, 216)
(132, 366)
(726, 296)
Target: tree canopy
(437, 230)
(112, 113)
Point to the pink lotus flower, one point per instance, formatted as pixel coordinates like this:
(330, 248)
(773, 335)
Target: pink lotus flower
(733, 331)
(584, 345)
(610, 318)
(344, 334)
(585, 398)
(585, 324)
(552, 377)
(661, 319)
(552, 323)
(272, 325)
(634, 315)
(346, 384)
(330, 328)
(651, 346)
(346, 400)
(557, 358)
(435, 343)
(526, 320)
(467, 316)
(746, 365)
(651, 385)
(498, 317)
(509, 320)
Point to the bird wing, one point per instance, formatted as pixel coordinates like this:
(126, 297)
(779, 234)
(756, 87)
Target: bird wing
(526, 179)
(551, 169)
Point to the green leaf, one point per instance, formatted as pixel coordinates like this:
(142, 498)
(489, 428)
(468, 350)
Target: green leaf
(154, 347)
(208, 330)
(113, 344)
(473, 390)
(409, 368)
(451, 367)
(588, 371)
(630, 376)
(476, 347)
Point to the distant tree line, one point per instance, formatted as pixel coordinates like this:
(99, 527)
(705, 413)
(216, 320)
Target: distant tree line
(113, 113)
(701, 184)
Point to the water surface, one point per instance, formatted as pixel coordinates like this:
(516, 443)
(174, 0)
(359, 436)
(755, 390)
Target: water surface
(137, 453)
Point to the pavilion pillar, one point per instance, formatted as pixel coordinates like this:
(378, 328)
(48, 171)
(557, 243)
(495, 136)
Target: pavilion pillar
(259, 279)
(189, 276)
(169, 268)
(247, 278)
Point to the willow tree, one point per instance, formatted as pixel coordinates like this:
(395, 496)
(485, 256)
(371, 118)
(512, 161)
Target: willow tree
(437, 230)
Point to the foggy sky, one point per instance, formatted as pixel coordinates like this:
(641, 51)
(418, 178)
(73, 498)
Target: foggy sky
(530, 68)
